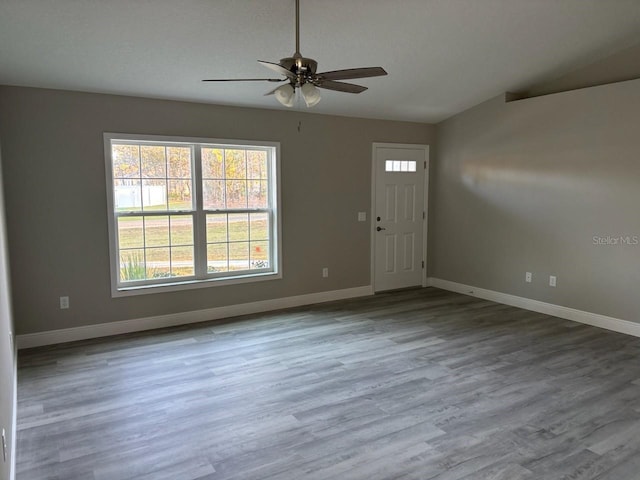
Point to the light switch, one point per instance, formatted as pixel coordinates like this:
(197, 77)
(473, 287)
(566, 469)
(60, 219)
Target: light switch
(362, 216)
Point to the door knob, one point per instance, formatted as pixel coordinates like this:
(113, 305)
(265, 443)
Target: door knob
(380, 228)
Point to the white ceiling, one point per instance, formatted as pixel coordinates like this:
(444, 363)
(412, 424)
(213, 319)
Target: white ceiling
(442, 56)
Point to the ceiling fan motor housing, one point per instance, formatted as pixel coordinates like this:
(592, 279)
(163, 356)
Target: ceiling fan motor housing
(303, 68)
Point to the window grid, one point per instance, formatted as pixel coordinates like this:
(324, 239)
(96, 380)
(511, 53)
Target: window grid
(243, 215)
(251, 218)
(252, 247)
(131, 268)
(147, 247)
(400, 166)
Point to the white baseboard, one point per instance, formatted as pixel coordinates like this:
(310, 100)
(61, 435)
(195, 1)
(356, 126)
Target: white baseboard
(594, 319)
(148, 323)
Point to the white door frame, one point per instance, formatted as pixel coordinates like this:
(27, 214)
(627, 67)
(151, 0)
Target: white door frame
(425, 223)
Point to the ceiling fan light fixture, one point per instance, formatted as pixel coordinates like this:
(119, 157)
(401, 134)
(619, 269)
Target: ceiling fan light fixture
(284, 94)
(311, 94)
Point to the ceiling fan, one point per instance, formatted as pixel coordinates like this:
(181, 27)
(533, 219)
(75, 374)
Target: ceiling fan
(300, 72)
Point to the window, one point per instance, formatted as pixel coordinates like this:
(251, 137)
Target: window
(187, 213)
(400, 166)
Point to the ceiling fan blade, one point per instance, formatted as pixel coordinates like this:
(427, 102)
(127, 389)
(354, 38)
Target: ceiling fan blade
(352, 73)
(271, 92)
(244, 80)
(278, 68)
(341, 86)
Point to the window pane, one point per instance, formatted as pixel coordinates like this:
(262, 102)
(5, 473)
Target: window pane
(158, 264)
(130, 232)
(239, 256)
(154, 195)
(259, 252)
(181, 230)
(156, 231)
(132, 265)
(126, 161)
(182, 261)
(235, 164)
(154, 164)
(259, 224)
(213, 194)
(238, 227)
(180, 195)
(127, 196)
(400, 165)
(257, 193)
(154, 182)
(179, 162)
(217, 258)
(212, 164)
(257, 164)
(236, 191)
(217, 228)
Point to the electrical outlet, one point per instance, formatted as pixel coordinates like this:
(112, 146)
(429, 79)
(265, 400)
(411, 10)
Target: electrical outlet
(64, 302)
(528, 277)
(362, 216)
(552, 280)
(4, 445)
(325, 272)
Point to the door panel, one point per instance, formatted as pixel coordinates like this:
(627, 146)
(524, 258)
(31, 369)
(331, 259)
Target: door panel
(409, 203)
(399, 203)
(391, 195)
(409, 252)
(390, 253)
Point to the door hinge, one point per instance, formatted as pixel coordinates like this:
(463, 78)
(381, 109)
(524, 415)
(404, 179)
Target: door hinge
(424, 215)
(422, 263)
(425, 164)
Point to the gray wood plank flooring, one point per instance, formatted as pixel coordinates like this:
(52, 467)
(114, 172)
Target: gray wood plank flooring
(420, 384)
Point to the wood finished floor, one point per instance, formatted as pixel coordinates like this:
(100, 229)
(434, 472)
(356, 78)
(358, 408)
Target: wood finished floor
(421, 384)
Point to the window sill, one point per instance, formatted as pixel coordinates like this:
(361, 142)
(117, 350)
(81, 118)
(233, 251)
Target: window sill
(193, 284)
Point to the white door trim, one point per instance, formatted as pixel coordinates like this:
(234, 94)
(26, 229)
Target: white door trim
(425, 224)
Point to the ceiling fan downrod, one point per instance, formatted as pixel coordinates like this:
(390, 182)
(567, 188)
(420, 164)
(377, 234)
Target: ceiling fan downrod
(297, 29)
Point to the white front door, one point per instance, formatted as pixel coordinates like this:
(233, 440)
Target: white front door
(399, 215)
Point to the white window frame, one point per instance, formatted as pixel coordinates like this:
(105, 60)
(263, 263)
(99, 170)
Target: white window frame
(201, 279)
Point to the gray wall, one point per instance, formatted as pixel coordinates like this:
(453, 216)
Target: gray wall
(621, 66)
(525, 186)
(56, 200)
(7, 350)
